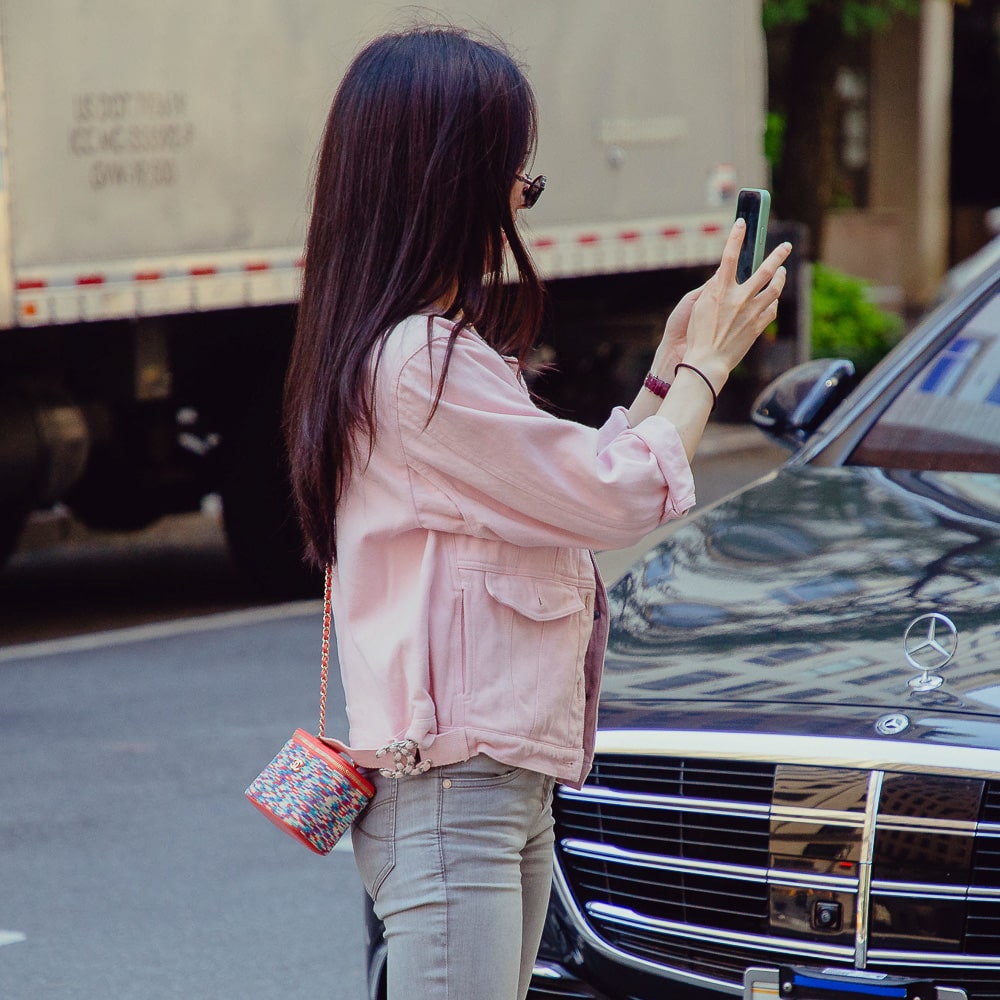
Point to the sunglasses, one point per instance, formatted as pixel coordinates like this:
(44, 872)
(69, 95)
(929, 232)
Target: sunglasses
(533, 189)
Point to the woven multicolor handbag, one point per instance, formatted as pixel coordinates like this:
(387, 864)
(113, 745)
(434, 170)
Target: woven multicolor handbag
(312, 789)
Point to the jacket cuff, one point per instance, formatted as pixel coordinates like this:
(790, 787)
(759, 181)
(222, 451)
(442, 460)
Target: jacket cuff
(617, 423)
(664, 443)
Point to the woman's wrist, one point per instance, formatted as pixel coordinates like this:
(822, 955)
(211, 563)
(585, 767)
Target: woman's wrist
(713, 369)
(709, 385)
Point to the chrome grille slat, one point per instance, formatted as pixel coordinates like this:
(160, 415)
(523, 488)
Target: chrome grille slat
(650, 801)
(621, 915)
(671, 906)
(591, 849)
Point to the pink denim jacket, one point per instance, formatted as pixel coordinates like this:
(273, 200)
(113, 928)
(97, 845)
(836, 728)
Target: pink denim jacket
(469, 612)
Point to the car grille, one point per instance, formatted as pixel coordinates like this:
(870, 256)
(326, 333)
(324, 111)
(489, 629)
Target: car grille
(705, 867)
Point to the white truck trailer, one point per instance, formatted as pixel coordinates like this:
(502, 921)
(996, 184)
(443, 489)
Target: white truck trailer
(155, 163)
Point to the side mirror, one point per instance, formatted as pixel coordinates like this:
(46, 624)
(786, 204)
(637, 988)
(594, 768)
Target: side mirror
(797, 402)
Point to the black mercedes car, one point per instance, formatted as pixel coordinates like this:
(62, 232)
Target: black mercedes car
(797, 785)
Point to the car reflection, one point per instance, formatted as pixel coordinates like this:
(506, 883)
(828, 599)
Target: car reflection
(756, 597)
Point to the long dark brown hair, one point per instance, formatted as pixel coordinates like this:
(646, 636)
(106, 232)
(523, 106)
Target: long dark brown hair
(424, 140)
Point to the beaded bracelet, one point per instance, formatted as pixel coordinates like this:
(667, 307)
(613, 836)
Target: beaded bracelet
(704, 377)
(656, 385)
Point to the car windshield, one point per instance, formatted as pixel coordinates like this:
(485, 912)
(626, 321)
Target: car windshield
(948, 415)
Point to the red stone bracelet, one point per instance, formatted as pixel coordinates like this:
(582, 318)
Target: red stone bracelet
(656, 385)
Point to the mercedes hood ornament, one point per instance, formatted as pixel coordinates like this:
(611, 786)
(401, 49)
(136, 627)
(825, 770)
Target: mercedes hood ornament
(929, 643)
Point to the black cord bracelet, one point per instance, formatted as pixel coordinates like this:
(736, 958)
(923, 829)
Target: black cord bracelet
(704, 377)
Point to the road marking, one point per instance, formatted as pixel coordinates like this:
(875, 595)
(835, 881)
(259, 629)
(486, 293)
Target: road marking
(160, 630)
(11, 937)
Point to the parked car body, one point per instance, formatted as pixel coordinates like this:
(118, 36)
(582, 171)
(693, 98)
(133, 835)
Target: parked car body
(797, 785)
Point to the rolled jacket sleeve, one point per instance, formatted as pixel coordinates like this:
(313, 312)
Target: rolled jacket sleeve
(489, 456)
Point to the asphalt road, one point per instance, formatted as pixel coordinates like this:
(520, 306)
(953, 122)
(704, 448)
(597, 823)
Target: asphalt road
(131, 866)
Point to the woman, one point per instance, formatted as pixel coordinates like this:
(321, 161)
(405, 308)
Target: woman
(458, 517)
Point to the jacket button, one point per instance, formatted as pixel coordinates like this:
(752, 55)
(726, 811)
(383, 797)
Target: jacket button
(446, 783)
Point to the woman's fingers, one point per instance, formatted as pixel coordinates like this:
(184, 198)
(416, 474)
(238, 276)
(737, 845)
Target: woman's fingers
(762, 277)
(728, 317)
(768, 299)
(765, 274)
(731, 252)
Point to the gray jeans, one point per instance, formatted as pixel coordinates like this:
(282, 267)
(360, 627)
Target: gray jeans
(458, 862)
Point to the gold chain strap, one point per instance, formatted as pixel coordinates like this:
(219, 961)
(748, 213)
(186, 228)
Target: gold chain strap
(404, 754)
(325, 671)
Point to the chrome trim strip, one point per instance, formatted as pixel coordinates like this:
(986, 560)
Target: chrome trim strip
(629, 918)
(925, 890)
(801, 814)
(863, 902)
(664, 862)
(744, 873)
(983, 892)
(825, 751)
(934, 890)
(646, 800)
(903, 823)
(812, 880)
(988, 829)
(592, 940)
(944, 960)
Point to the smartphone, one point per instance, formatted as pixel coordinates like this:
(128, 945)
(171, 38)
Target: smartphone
(754, 206)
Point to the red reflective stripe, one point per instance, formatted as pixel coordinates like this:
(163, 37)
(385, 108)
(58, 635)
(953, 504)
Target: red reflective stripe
(148, 275)
(711, 228)
(588, 239)
(30, 284)
(630, 235)
(257, 266)
(301, 262)
(199, 272)
(90, 279)
(543, 243)
(671, 232)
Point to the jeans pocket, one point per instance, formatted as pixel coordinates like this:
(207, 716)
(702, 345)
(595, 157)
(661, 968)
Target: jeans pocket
(374, 839)
(478, 772)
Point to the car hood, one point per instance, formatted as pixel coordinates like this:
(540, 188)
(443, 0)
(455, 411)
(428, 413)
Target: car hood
(784, 608)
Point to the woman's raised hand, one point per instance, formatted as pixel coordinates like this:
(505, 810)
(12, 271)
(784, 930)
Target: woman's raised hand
(726, 318)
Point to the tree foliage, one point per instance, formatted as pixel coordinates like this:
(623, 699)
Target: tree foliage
(857, 17)
(808, 43)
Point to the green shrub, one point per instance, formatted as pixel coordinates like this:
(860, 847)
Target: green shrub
(774, 139)
(845, 324)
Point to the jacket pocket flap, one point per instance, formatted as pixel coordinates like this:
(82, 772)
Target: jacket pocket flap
(539, 600)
